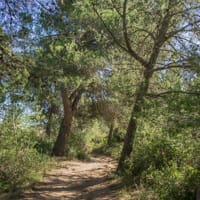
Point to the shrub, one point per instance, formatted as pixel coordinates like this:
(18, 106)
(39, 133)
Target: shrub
(173, 182)
(18, 167)
(158, 153)
(20, 161)
(83, 142)
(169, 166)
(43, 145)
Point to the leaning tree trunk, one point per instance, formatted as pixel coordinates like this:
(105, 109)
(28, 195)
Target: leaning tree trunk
(60, 144)
(132, 126)
(61, 141)
(70, 105)
(110, 135)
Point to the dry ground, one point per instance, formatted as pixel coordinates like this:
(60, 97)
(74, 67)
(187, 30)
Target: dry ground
(77, 180)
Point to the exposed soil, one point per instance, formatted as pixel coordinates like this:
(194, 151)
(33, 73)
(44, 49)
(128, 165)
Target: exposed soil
(77, 180)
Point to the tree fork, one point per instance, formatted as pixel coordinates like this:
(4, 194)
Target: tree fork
(70, 106)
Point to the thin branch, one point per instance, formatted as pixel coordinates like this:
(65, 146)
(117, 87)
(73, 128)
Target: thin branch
(74, 93)
(173, 92)
(108, 30)
(185, 10)
(187, 40)
(77, 99)
(117, 10)
(126, 38)
(182, 29)
(183, 66)
(146, 31)
(160, 39)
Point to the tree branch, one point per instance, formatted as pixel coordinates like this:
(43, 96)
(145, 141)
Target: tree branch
(77, 99)
(160, 39)
(126, 38)
(65, 100)
(152, 95)
(108, 30)
(182, 29)
(183, 66)
(74, 93)
(117, 10)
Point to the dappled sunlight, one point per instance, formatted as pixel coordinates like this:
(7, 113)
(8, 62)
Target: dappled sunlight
(77, 180)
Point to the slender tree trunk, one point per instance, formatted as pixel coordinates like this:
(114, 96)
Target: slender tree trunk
(110, 135)
(132, 126)
(48, 126)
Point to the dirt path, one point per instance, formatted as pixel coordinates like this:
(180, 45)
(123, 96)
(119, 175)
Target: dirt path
(76, 180)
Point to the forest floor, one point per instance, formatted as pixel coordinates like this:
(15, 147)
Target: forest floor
(77, 180)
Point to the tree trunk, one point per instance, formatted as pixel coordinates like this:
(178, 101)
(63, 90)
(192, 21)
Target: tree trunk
(59, 148)
(61, 141)
(132, 126)
(198, 193)
(48, 126)
(70, 105)
(110, 135)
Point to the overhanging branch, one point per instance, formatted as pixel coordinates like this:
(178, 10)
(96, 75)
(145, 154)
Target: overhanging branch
(162, 94)
(108, 29)
(166, 67)
(126, 38)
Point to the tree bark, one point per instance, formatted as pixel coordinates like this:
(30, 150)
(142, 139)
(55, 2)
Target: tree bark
(132, 126)
(59, 148)
(70, 103)
(110, 135)
(61, 141)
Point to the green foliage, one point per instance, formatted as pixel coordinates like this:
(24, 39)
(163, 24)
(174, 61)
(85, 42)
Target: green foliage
(19, 167)
(158, 153)
(168, 165)
(21, 163)
(83, 142)
(174, 182)
(74, 43)
(43, 145)
(76, 146)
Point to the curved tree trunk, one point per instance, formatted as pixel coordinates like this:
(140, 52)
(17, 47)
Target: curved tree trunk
(61, 141)
(132, 126)
(70, 105)
(59, 148)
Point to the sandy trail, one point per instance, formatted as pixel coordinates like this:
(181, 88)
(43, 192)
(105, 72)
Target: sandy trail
(77, 180)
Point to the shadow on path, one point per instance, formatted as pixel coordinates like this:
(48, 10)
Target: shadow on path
(77, 180)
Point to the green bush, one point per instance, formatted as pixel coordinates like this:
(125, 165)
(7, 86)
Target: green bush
(43, 145)
(158, 153)
(173, 182)
(18, 167)
(82, 142)
(169, 166)
(20, 162)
